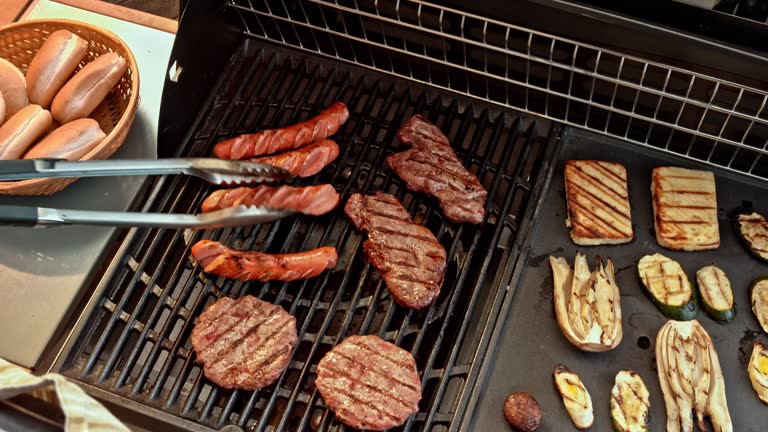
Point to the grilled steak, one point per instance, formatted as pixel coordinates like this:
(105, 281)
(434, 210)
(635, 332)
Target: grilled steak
(313, 200)
(407, 255)
(306, 161)
(272, 141)
(244, 343)
(598, 202)
(685, 209)
(431, 166)
(369, 383)
(220, 260)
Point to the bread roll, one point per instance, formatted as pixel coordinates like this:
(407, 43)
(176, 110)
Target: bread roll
(88, 87)
(14, 87)
(52, 66)
(22, 130)
(70, 141)
(2, 108)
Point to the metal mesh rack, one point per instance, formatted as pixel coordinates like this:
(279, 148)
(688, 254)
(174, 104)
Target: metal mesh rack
(651, 104)
(134, 346)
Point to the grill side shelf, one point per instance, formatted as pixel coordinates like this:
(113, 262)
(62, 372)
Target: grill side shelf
(132, 345)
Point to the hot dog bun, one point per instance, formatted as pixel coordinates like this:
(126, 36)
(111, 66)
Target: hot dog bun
(22, 130)
(85, 91)
(14, 87)
(52, 66)
(71, 141)
(2, 108)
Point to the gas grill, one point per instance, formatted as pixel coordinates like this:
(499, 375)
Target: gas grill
(514, 94)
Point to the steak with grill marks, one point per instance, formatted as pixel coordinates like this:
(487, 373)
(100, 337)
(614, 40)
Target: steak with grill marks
(369, 383)
(431, 166)
(408, 255)
(244, 343)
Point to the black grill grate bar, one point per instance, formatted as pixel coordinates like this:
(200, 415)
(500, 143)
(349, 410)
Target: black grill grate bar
(158, 308)
(313, 309)
(334, 305)
(523, 140)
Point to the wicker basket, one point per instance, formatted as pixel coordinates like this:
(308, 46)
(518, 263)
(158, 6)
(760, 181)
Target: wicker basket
(19, 42)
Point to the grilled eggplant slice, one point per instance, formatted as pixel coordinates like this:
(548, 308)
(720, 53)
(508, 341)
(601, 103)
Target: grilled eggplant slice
(685, 209)
(668, 286)
(753, 229)
(691, 378)
(716, 294)
(587, 305)
(598, 202)
(758, 371)
(630, 403)
(575, 396)
(758, 296)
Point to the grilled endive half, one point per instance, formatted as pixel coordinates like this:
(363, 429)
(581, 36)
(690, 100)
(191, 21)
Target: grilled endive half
(758, 371)
(691, 378)
(753, 229)
(630, 403)
(587, 305)
(758, 296)
(716, 294)
(668, 286)
(576, 398)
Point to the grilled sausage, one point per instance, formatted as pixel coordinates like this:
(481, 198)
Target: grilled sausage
(272, 141)
(220, 260)
(14, 88)
(2, 108)
(53, 64)
(312, 200)
(85, 91)
(70, 141)
(306, 161)
(22, 130)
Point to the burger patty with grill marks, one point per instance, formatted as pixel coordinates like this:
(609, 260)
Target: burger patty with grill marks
(244, 343)
(369, 383)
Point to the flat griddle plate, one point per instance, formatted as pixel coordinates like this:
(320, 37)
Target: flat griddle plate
(531, 344)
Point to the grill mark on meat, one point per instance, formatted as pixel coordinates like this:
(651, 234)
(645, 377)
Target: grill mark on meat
(340, 372)
(244, 343)
(314, 200)
(660, 192)
(431, 166)
(397, 247)
(340, 390)
(599, 166)
(399, 364)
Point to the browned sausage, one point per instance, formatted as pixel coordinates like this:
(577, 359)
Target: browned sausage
(272, 141)
(313, 200)
(306, 161)
(220, 260)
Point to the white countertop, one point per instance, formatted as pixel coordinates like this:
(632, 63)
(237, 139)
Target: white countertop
(42, 271)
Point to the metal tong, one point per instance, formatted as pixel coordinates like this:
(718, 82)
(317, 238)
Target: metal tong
(216, 171)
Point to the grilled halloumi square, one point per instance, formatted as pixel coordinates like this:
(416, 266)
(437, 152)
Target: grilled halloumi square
(685, 209)
(598, 202)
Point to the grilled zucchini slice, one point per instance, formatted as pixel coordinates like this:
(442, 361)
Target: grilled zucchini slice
(716, 294)
(753, 230)
(630, 403)
(758, 296)
(690, 378)
(575, 396)
(668, 286)
(758, 371)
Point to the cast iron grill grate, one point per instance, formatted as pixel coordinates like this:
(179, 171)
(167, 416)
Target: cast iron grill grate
(135, 343)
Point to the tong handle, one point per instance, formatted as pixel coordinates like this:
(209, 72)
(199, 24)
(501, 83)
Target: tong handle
(18, 215)
(11, 168)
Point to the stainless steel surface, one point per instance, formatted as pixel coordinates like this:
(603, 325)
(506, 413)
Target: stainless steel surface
(216, 171)
(690, 114)
(229, 217)
(48, 268)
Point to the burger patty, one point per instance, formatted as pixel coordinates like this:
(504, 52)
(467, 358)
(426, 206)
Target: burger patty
(408, 255)
(369, 383)
(244, 343)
